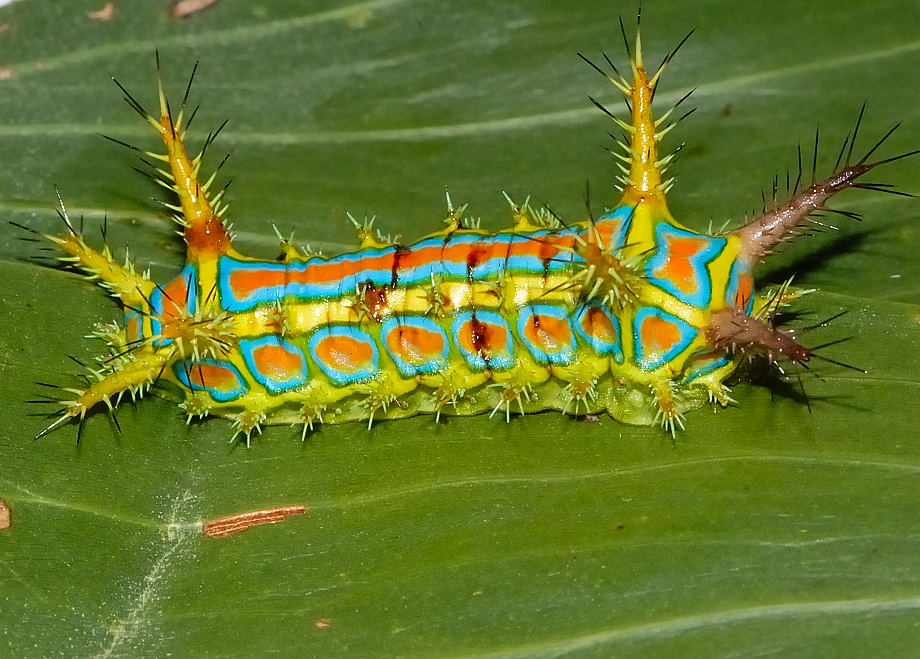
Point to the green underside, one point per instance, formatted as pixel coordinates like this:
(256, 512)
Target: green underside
(632, 405)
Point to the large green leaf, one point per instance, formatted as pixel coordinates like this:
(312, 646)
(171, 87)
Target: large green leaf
(765, 529)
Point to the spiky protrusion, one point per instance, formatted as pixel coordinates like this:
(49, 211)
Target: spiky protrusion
(310, 414)
(512, 392)
(605, 273)
(581, 393)
(643, 168)
(446, 395)
(438, 303)
(737, 332)
(763, 234)
(667, 403)
(247, 422)
(196, 405)
(199, 212)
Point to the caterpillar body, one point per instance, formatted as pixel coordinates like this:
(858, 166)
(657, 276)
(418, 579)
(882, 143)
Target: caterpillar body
(630, 313)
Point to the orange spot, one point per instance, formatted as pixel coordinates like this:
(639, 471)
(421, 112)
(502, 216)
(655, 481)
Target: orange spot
(233, 524)
(4, 515)
(208, 238)
(212, 376)
(596, 324)
(276, 362)
(658, 335)
(343, 353)
(132, 328)
(483, 339)
(415, 345)
(745, 289)
(175, 294)
(244, 282)
(547, 333)
(606, 229)
(678, 269)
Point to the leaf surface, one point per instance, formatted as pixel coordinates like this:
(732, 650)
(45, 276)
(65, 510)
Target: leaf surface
(775, 527)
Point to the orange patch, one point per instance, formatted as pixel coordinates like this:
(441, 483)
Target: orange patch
(206, 236)
(596, 323)
(344, 353)
(415, 345)
(211, 376)
(745, 289)
(276, 362)
(548, 333)
(175, 295)
(678, 269)
(244, 282)
(606, 229)
(133, 328)
(483, 339)
(658, 335)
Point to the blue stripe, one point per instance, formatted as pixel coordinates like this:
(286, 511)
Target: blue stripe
(156, 303)
(492, 268)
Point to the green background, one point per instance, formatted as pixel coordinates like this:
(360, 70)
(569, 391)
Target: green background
(765, 529)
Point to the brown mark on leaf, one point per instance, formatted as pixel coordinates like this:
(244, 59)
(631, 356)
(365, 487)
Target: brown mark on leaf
(185, 8)
(233, 524)
(106, 13)
(4, 515)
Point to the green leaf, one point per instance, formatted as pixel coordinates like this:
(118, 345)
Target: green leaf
(776, 527)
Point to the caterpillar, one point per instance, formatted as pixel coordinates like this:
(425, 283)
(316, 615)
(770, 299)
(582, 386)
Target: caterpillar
(629, 313)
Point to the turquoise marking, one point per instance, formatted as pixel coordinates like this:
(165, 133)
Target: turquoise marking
(622, 217)
(702, 283)
(731, 290)
(648, 358)
(564, 354)
(270, 381)
(406, 369)
(266, 294)
(156, 303)
(139, 324)
(599, 345)
(497, 361)
(184, 368)
(708, 361)
(494, 267)
(338, 376)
